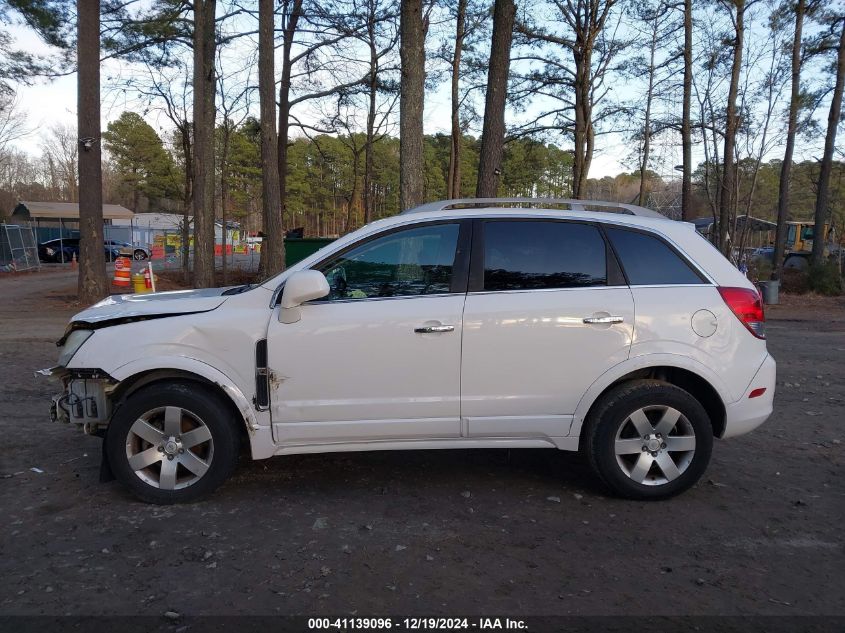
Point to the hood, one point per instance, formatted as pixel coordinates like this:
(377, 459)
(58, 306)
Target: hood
(172, 303)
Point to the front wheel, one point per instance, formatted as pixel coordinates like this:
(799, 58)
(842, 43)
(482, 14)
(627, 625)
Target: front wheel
(648, 440)
(172, 442)
(140, 255)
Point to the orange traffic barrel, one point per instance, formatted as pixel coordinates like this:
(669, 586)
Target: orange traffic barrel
(122, 271)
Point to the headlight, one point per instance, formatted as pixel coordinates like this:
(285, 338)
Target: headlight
(72, 344)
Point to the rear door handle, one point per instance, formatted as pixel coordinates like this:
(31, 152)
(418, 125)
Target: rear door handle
(604, 319)
(434, 329)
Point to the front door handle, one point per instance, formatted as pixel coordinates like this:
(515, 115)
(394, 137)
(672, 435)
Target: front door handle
(604, 319)
(434, 329)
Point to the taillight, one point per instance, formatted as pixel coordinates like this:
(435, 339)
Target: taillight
(748, 308)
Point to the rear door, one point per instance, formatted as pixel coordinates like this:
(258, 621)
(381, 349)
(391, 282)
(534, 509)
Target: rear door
(548, 311)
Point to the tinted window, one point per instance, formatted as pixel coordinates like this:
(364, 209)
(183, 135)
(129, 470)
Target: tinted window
(533, 255)
(406, 263)
(648, 260)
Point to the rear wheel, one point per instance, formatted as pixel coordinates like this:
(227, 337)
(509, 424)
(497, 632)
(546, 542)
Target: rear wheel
(172, 442)
(140, 255)
(647, 439)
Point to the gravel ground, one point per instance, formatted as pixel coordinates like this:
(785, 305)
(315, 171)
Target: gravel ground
(439, 532)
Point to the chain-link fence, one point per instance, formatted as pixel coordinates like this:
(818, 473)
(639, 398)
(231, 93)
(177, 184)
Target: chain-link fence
(167, 252)
(18, 248)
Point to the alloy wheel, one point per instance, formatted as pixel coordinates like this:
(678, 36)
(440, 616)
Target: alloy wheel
(655, 445)
(169, 448)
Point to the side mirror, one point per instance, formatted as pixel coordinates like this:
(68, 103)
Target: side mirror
(301, 286)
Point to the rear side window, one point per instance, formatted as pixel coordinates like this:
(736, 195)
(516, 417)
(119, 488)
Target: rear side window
(648, 260)
(529, 255)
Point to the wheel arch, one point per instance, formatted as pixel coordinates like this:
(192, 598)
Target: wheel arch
(707, 389)
(142, 373)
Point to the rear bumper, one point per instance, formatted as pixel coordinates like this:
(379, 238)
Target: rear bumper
(746, 414)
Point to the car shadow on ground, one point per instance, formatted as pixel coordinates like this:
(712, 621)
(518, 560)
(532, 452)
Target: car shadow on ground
(424, 470)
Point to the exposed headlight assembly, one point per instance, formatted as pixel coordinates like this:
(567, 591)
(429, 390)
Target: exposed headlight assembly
(72, 344)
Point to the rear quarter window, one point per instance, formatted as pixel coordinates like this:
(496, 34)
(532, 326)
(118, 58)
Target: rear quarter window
(648, 260)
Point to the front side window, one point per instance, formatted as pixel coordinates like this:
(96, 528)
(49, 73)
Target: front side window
(405, 263)
(648, 260)
(533, 255)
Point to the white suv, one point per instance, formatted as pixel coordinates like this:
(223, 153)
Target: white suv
(458, 324)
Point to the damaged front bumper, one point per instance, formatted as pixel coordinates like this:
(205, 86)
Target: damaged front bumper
(85, 399)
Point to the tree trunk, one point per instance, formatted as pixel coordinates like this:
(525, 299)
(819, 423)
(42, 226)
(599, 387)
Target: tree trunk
(728, 197)
(204, 118)
(647, 124)
(354, 195)
(412, 30)
(92, 282)
(823, 195)
(582, 54)
(588, 150)
(224, 192)
(712, 164)
(493, 134)
(791, 127)
(372, 87)
(187, 200)
(686, 127)
(453, 181)
(289, 32)
(273, 245)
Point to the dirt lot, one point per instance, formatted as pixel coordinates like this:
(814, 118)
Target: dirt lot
(510, 532)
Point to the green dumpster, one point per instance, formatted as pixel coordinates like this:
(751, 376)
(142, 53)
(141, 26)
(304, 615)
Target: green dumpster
(298, 248)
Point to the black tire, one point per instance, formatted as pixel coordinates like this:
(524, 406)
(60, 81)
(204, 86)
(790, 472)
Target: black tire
(140, 255)
(797, 262)
(197, 402)
(609, 422)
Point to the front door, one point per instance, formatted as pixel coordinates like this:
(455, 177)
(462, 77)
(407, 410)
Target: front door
(379, 358)
(548, 312)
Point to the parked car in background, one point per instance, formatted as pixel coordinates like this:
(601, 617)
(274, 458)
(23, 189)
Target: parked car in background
(763, 253)
(62, 250)
(138, 253)
(627, 337)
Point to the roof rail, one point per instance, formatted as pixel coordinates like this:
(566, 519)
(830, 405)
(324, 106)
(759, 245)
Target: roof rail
(574, 205)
